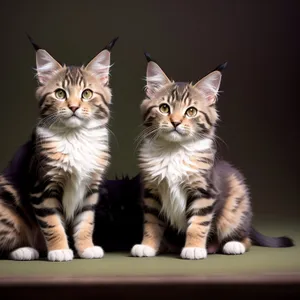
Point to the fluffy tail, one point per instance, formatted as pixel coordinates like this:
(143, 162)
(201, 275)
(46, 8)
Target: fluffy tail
(259, 239)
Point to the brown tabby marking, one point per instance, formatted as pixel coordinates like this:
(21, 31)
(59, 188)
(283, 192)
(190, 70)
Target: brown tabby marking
(237, 203)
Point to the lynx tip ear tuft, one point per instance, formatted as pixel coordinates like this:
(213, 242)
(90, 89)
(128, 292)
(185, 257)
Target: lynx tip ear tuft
(221, 67)
(35, 46)
(111, 44)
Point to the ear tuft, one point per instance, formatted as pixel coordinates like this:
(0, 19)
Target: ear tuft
(46, 65)
(148, 57)
(110, 46)
(221, 67)
(35, 46)
(99, 66)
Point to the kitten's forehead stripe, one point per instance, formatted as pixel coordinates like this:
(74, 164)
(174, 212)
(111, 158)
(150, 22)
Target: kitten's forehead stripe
(179, 92)
(181, 87)
(73, 76)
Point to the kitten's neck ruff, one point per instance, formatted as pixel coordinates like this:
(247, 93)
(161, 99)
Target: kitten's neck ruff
(162, 160)
(164, 147)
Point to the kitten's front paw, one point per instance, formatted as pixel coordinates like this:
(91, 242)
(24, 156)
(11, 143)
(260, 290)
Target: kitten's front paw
(193, 253)
(60, 255)
(143, 251)
(92, 252)
(24, 253)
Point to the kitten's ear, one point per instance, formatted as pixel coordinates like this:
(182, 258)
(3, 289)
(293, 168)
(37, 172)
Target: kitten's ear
(46, 65)
(155, 76)
(100, 65)
(209, 86)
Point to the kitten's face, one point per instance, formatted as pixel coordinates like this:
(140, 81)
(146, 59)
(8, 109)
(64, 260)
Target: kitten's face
(73, 96)
(179, 112)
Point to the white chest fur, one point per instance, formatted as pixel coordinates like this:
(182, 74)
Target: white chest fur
(81, 150)
(168, 166)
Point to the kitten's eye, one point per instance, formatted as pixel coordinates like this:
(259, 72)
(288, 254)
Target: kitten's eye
(60, 94)
(164, 108)
(87, 94)
(191, 112)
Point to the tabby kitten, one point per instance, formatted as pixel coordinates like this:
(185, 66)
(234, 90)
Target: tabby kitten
(185, 187)
(68, 162)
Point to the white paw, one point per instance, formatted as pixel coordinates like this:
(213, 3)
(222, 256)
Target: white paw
(92, 252)
(193, 253)
(60, 255)
(234, 248)
(24, 253)
(142, 250)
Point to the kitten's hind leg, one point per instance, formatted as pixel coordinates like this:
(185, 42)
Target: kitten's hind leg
(234, 222)
(14, 235)
(24, 253)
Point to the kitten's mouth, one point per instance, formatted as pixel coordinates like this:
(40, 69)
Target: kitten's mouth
(175, 130)
(75, 116)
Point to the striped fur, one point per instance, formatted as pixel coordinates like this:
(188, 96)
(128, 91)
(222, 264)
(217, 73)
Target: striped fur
(67, 166)
(186, 187)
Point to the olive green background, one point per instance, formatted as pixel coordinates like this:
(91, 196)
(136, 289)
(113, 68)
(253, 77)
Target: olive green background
(258, 104)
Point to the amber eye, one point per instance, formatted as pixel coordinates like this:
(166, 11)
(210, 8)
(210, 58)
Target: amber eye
(60, 94)
(191, 112)
(164, 108)
(87, 94)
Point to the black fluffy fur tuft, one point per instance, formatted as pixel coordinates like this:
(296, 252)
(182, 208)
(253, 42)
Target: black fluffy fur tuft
(259, 239)
(148, 57)
(33, 43)
(221, 67)
(110, 46)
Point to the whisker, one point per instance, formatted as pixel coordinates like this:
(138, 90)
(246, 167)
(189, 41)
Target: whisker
(113, 134)
(149, 133)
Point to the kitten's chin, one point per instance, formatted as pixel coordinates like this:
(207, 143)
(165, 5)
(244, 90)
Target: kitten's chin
(174, 137)
(73, 122)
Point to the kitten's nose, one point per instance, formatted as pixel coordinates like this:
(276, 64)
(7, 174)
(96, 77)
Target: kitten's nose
(175, 124)
(73, 108)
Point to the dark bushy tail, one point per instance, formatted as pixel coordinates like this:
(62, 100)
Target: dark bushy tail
(259, 239)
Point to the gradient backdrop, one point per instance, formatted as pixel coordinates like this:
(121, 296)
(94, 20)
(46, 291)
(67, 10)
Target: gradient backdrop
(258, 106)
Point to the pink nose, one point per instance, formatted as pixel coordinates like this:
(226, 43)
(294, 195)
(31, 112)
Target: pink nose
(73, 108)
(175, 124)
